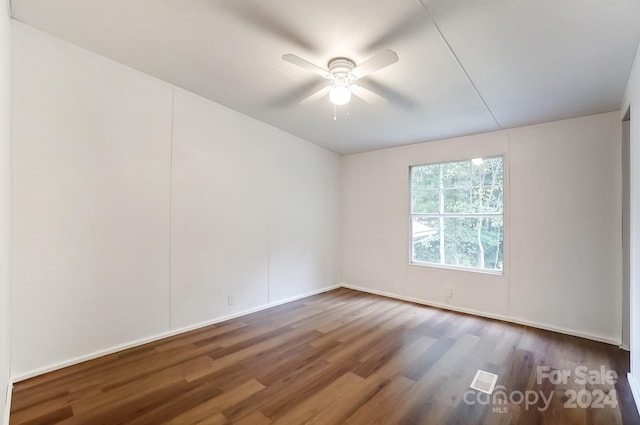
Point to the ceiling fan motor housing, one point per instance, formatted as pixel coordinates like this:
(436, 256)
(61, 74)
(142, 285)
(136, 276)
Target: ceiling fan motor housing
(341, 69)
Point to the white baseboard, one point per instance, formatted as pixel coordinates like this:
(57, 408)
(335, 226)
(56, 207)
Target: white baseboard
(142, 341)
(546, 327)
(7, 406)
(635, 390)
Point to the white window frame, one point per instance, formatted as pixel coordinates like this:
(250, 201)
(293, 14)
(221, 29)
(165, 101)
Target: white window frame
(504, 216)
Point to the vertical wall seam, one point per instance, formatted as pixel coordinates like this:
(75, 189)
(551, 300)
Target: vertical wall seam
(11, 215)
(508, 223)
(173, 96)
(269, 215)
(8, 269)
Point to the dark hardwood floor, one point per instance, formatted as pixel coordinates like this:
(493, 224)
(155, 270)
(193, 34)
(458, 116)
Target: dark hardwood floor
(342, 357)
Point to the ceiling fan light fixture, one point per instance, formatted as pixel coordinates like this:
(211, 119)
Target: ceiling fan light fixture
(340, 94)
(341, 72)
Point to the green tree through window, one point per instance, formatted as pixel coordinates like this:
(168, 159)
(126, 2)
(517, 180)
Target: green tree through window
(457, 213)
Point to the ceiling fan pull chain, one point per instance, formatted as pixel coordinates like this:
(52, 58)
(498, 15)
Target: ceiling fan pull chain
(334, 112)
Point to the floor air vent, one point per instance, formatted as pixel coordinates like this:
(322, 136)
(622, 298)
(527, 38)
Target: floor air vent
(484, 381)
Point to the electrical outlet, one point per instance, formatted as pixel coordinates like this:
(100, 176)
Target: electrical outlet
(230, 300)
(449, 292)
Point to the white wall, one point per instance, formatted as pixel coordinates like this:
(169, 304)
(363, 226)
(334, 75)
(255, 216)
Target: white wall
(5, 208)
(219, 227)
(91, 151)
(632, 100)
(566, 239)
(139, 208)
(255, 213)
(562, 227)
(305, 217)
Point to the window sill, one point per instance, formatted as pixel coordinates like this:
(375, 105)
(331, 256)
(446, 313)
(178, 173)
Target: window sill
(457, 268)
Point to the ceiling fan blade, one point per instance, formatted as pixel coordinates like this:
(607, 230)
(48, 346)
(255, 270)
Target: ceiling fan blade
(264, 19)
(302, 63)
(285, 99)
(316, 96)
(378, 61)
(392, 95)
(367, 95)
(408, 25)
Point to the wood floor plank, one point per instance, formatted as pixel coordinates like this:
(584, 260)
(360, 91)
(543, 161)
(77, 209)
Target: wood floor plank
(279, 405)
(344, 407)
(284, 392)
(311, 407)
(214, 419)
(255, 418)
(407, 355)
(217, 404)
(195, 337)
(386, 406)
(51, 417)
(342, 357)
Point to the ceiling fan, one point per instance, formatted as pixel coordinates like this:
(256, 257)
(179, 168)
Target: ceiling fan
(342, 74)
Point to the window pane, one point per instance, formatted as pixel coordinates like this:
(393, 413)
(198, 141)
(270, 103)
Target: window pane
(456, 174)
(425, 239)
(478, 200)
(487, 199)
(459, 201)
(425, 201)
(473, 242)
(488, 172)
(425, 177)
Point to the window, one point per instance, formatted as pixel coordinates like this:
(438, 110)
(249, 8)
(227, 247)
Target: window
(457, 214)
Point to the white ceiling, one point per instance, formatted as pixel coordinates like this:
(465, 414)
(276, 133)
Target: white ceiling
(466, 66)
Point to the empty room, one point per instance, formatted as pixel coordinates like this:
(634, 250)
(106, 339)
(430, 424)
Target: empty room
(319, 212)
